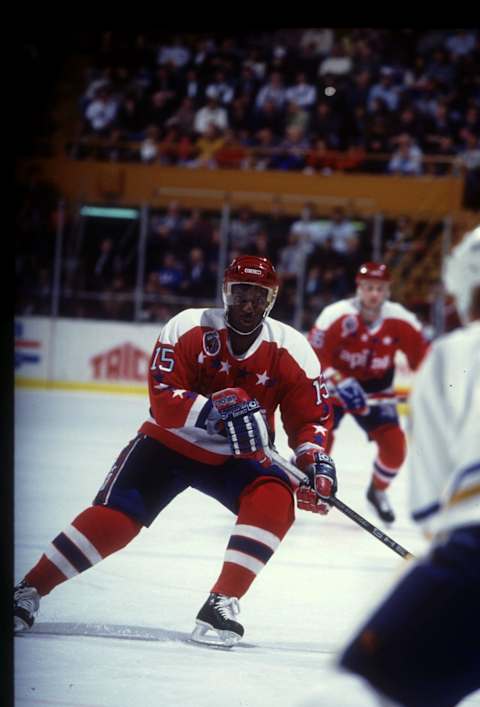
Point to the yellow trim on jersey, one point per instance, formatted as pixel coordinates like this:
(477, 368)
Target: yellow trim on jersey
(463, 495)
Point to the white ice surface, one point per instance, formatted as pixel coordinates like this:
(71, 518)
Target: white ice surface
(301, 609)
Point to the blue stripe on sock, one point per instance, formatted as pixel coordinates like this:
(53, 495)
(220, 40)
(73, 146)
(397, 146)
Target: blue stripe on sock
(250, 547)
(71, 552)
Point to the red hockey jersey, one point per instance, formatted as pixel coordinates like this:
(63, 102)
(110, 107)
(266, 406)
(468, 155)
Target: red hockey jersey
(344, 342)
(192, 359)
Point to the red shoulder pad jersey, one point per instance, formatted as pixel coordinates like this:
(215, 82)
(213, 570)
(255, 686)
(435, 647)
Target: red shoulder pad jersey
(345, 343)
(192, 359)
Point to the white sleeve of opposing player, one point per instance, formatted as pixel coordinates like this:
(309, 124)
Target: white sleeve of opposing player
(444, 453)
(429, 451)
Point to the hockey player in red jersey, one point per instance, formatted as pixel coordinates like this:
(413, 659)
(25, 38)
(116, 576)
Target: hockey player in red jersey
(216, 377)
(356, 341)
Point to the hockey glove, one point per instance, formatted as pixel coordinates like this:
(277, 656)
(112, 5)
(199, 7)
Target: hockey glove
(243, 422)
(322, 481)
(352, 396)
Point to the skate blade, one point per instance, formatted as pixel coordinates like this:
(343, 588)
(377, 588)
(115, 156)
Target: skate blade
(219, 639)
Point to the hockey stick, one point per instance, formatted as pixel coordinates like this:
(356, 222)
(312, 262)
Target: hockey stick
(343, 508)
(387, 399)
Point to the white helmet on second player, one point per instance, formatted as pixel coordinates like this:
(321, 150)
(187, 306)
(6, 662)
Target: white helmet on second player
(461, 272)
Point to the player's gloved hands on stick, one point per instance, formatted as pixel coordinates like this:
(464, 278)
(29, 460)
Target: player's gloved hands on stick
(243, 421)
(352, 396)
(322, 481)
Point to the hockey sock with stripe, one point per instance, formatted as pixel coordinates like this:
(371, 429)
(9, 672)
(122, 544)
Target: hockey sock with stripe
(266, 513)
(391, 455)
(94, 534)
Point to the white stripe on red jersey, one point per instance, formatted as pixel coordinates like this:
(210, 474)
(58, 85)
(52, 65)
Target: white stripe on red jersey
(193, 359)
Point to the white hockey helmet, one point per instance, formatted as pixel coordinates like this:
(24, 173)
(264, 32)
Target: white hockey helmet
(461, 271)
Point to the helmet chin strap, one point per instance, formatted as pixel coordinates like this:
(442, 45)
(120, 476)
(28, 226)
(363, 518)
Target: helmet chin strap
(242, 333)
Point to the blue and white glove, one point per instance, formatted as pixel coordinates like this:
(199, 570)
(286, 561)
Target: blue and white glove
(243, 422)
(353, 396)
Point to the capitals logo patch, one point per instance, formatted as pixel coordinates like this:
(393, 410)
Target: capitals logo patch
(349, 326)
(211, 343)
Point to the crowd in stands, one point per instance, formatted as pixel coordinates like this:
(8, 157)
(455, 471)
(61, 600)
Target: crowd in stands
(316, 256)
(308, 100)
(314, 100)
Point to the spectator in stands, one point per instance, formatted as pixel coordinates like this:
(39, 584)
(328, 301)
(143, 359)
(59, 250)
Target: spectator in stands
(197, 230)
(98, 81)
(176, 148)
(319, 40)
(468, 160)
(101, 113)
(198, 280)
(261, 245)
(292, 150)
(337, 63)
(407, 158)
(291, 260)
(176, 53)
(131, 117)
(461, 42)
(402, 241)
(377, 137)
(343, 236)
(240, 119)
(439, 131)
(297, 117)
(325, 124)
(408, 121)
(255, 60)
(324, 284)
(170, 275)
(116, 301)
(365, 58)
(190, 86)
(106, 264)
(272, 92)
(359, 90)
(441, 68)
(428, 95)
(470, 122)
(159, 109)
(231, 154)
(321, 159)
(149, 147)
(166, 229)
(211, 112)
(151, 299)
(246, 87)
(386, 90)
(263, 146)
(311, 231)
(206, 147)
(303, 93)
(270, 117)
(165, 82)
(184, 117)
(221, 89)
(243, 230)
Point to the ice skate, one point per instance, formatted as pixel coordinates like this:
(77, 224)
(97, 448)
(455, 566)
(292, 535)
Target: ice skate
(218, 615)
(26, 601)
(380, 502)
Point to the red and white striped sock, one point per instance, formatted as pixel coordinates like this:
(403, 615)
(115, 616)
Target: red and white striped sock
(266, 513)
(94, 534)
